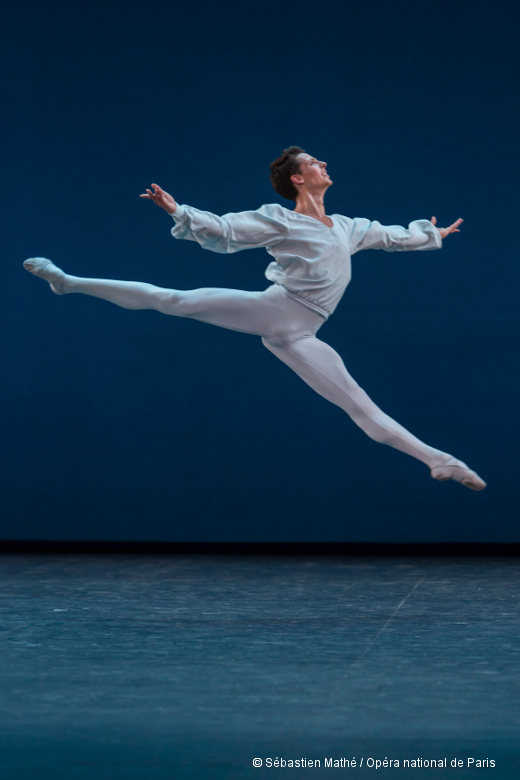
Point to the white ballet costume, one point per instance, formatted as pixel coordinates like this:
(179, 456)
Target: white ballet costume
(309, 274)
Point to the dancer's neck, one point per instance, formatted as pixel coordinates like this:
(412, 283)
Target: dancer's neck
(311, 204)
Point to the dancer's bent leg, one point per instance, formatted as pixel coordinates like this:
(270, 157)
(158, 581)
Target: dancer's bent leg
(321, 367)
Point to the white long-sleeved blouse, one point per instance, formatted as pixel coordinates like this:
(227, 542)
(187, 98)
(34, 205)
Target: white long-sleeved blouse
(311, 260)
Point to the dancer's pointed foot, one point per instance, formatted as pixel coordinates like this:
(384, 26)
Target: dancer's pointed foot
(458, 471)
(45, 269)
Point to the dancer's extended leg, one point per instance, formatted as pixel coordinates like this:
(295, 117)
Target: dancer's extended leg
(321, 367)
(267, 313)
(288, 330)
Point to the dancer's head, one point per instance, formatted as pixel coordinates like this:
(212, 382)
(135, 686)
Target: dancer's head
(295, 171)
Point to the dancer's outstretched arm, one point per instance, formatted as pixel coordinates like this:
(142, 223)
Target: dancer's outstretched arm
(265, 227)
(420, 234)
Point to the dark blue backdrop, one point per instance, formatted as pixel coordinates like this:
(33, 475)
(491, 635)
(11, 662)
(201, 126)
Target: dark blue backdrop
(132, 425)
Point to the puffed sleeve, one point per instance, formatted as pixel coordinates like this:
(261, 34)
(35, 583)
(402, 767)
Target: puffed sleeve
(420, 234)
(265, 227)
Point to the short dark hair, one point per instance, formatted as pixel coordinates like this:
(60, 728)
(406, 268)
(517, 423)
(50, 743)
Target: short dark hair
(282, 169)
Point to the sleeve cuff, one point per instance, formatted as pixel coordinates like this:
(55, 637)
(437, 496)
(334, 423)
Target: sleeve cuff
(179, 213)
(436, 237)
(434, 240)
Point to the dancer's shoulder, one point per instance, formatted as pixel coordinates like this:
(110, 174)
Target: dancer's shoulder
(347, 223)
(274, 212)
(274, 209)
(342, 218)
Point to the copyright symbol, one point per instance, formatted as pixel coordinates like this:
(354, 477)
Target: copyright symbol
(257, 762)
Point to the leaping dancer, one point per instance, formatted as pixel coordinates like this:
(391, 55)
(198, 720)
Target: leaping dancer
(309, 274)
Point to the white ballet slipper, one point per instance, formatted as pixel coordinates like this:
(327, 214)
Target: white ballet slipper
(459, 472)
(45, 269)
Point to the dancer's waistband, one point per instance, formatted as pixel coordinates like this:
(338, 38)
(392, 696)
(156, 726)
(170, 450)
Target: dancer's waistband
(304, 302)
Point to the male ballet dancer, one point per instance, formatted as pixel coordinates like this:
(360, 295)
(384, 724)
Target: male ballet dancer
(309, 274)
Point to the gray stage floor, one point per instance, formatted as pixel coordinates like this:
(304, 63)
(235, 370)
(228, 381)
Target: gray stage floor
(158, 667)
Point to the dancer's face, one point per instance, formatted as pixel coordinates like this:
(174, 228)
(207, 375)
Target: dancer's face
(313, 173)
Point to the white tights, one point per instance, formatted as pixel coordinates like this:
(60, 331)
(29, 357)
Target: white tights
(288, 330)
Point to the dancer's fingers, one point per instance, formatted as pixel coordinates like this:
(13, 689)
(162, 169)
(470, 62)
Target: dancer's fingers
(455, 224)
(433, 220)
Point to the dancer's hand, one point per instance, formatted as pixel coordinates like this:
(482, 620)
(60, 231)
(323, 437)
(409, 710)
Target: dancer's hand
(161, 198)
(446, 231)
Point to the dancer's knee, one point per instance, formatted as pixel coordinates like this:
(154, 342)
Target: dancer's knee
(174, 302)
(272, 342)
(284, 339)
(186, 303)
